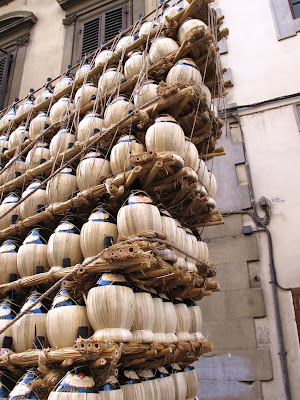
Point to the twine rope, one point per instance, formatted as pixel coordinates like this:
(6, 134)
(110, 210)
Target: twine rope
(77, 267)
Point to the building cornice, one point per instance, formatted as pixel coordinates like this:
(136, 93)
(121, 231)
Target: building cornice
(67, 4)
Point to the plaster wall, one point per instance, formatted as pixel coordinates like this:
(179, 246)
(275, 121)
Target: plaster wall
(45, 48)
(262, 67)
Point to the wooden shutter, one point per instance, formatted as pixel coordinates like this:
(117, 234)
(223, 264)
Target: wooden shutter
(4, 68)
(91, 36)
(102, 29)
(113, 22)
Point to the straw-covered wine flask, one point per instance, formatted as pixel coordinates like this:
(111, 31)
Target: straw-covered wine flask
(110, 81)
(184, 71)
(143, 317)
(17, 137)
(64, 245)
(169, 14)
(118, 109)
(188, 27)
(8, 260)
(61, 142)
(151, 386)
(9, 205)
(38, 124)
(85, 94)
(111, 390)
(131, 385)
(16, 169)
(33, 253)
(110, 307)
(91, 170)
(83, 71)
(103, 57)
(165, 135)
(61, 110)
(125, 146)
(77, 384)
(3, 143)
(159, 325)
(36, 201)
(134, 64)
(90, 124)
(171, 319)
(161, 47)
(98, 233)
(192, 381)
(196, 318)
(39, 154)
(138, 214)
(8, 310)
(64, 319)
(184, 320)
(123, 43)
(191, 156)
(146, 28)
(32, 324)
(62, 186)
(145, 93)
(166, 384)
(22, 390)
(179, 379)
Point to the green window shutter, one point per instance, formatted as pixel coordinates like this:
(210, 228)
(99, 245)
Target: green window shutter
(5, 58)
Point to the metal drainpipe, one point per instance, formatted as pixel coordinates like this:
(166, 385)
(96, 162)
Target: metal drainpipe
(273, 281)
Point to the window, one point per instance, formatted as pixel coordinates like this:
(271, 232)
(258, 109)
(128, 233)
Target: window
(89, 23)
(14, 36)
(296, 300)
(286, 17)
(295, 7)
(102, 29)
(4, 68)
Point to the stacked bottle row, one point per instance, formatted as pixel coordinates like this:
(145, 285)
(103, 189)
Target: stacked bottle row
(165, 383)
(94, 168)
(68, 245)
(114, 311)
(159, 48)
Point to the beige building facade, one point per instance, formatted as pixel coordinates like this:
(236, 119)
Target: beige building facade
(39, 39)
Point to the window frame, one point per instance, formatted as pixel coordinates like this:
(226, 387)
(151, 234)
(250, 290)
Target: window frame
(80, 11)
(285, 23)
(80, 29)
(292, 8)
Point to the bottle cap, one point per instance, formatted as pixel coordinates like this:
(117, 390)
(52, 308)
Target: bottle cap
(16, 99)
(39, 269)
(31, 90)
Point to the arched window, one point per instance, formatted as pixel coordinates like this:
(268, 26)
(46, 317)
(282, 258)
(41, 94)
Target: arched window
(14, 37)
